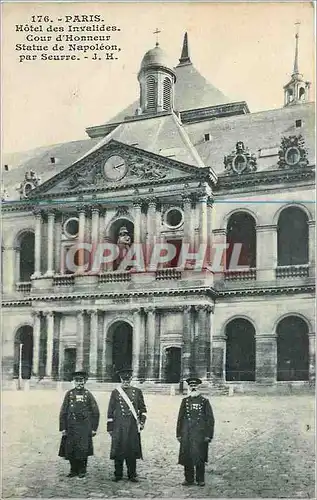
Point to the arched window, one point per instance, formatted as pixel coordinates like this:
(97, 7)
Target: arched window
(241, 230)
(240, 350)
(292, 349)
(290, 95)
(167, 94)
(292, 237)
(26, 254)
(151, 93)
(23, 352)
(301, 94)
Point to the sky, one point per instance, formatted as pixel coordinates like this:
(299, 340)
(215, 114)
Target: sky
(244, 49)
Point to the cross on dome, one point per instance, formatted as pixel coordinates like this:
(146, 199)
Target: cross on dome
(156, 32)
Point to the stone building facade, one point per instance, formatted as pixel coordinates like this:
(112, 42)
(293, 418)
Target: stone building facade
(185, 166)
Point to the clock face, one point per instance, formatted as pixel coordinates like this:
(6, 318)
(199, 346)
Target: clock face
(115, 168)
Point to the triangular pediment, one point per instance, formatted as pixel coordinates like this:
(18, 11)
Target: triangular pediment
(116, 166)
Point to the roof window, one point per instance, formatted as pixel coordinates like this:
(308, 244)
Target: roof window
(207, 137)
(298, 123)
(52, 159)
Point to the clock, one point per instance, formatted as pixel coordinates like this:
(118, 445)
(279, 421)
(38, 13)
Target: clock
(115, 168)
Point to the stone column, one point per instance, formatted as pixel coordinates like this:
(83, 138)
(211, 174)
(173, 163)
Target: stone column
(57, 237)
(312, 357)
(136, 342)
(93, 350)
(218, 365)
(201, 342)
(203, 219)
(50, 243)
(266, 252)
(218, 258)
(209, 316)
(37, 244)
(151, 331)
(36, 341)
(187, 207)
(61, 355)
(95, 226)
(311, 247)
(80, 341)
(137, 221)
(209, 228)
(187, 347)
(81, 237)
(266, 358)
(151, 229)
(49, 342)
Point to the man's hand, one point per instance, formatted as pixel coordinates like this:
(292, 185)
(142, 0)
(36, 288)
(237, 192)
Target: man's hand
(64, 433)
(207, 440)
(93, 433)
(179, 438)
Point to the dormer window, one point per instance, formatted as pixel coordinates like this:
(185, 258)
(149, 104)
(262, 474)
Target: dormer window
(207, 137)
(52, 159)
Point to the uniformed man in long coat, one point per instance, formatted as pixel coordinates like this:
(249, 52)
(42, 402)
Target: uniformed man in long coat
(195, 430)
(126, 419)
(78, 422)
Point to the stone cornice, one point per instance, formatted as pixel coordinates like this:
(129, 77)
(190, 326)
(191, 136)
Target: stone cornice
(206, 291)
(263, 178)
(263, 291)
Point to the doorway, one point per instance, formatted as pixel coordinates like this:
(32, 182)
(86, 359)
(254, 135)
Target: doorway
(173, 365)
(69, 363)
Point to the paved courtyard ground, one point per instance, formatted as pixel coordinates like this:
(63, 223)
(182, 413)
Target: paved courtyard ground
(263, 447)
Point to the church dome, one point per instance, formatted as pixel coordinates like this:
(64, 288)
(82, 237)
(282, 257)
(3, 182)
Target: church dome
(155, 57)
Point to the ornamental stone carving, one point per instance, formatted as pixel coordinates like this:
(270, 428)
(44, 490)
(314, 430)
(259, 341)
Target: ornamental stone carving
(292, 152)
(31, 181)
(240, 161)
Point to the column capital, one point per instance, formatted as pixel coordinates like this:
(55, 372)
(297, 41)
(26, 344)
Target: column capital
(187, 309)
(136, 310)
(92, 312)
(36, 314)
(150, 309)
(137, 202)
(312, 335)
(311, 223)
(151, 201)
(81, 209)
(219, 338)
(48, 314)
(38, 212)
(210, 201)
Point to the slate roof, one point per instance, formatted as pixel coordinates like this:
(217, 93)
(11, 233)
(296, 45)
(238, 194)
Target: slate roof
(39, 160)
(192, 91)
(257, 130)
(163, 135)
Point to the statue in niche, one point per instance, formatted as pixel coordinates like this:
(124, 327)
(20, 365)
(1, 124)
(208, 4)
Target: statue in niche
(124, 239)
(124, 242)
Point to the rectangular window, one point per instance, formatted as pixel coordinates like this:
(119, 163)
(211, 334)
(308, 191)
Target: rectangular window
(207, 137)
(298, 123)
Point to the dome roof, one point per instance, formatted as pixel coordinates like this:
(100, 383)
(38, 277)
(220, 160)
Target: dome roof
(156, 57)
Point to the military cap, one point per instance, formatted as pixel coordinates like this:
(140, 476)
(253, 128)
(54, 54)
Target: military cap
(124, 369)
(80, 374)
(193, 381)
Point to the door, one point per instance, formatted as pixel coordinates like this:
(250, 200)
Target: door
(69, 363)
